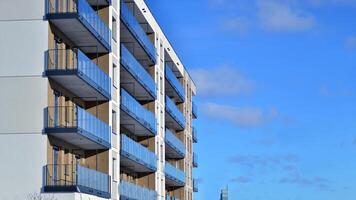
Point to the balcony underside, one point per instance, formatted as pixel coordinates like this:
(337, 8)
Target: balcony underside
(78, 85)
(195, 189)
(134, 46)
(172, 93)
(172, 123)
(173, 182)
(130, 163)
(134, 87)
(99, 2)
(133, 124)
(195, 116)
(79, 32)
(76, 188)
(78, 137)
(172, 152)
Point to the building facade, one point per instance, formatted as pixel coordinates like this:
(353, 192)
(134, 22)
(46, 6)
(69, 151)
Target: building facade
(224, 194)
(95, 103)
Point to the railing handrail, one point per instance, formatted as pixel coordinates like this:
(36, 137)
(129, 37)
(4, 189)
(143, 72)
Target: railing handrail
(128, 16)
(138, 69)
(133, 190)
(146, 115)
(175, 141)
(174, 172)
(76, 174)
(172, 106)
(139, 151)
(86, 12)
(75, 59)
(174, 81)
(101, 128)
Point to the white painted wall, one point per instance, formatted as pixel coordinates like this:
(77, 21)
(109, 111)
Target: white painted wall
(22, 145)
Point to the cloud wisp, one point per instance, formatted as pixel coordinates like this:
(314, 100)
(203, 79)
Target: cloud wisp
(350, 42)
(283, 16)
(223, 80)
(314, 182)
(236, 25)
(241, 179)
(243, 117)
(263, 161)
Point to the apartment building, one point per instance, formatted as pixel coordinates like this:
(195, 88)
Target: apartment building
(95, 103)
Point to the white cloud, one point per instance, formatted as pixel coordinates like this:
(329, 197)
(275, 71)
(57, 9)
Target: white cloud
(350, 42)
(282, 16)
(235, 25)
(241, 116)
(223, 80)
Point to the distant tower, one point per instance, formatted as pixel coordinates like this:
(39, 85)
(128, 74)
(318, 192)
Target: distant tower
(224, 194)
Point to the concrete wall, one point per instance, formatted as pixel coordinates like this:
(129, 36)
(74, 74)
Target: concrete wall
(22, 144)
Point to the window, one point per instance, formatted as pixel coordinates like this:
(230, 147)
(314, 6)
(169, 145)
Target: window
(114, 174)
(114, 75)
(114, 118)
(114, 29)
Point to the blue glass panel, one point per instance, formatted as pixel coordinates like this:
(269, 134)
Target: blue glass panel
(138, 152)
(132, 24)
(175, 112)
(137, 70)
(133, 191)
(172, 79)
(174, 173)
(143, 115)
(175, 142)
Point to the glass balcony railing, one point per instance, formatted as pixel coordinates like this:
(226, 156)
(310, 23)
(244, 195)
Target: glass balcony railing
(136, 192)
(86, 14)
(68, 117)
(172, 79)
(194, 110)
(195, 185)
(67, 60)
(174, 142)
(137, 111)
(138, 153)
(195, 135)
(138, 71)
(195, 160)
(62, 176)
(137, 31)
(173, 110)
(171, 198)
(174, 174)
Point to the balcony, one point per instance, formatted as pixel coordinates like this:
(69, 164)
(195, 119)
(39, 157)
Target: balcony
(136, 157)
(135, 118)
(195, 160)
(76, 126)
(99, 2)
(194, 110)
(130, 191)
(135, 79)
(195, 186)
(174, 88)
(78, 21)
(174, 177)
(175, 148)
(76, 178)
(171, 198)
(134, 33)
(73, 70)
(195, 135)
(174, 117)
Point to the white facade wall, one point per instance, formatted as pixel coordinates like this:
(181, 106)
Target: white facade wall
(22, 144)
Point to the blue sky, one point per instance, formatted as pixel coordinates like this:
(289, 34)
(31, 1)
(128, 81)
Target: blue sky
(277, 93)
